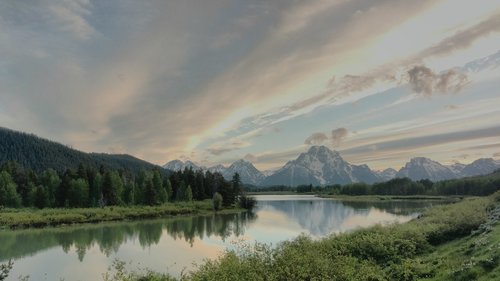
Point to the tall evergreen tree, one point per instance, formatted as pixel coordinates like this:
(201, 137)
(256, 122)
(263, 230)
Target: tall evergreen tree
(150, 193)
(129, 193)
(41, 197)
(168, 188)
(236, 182)
(181, 192)
(63, 188)
(78, 193)
(95, 189)
(50, 179)
(8, 193)
(189, 194)
(158, 186)
(140, 187)
(112, 188)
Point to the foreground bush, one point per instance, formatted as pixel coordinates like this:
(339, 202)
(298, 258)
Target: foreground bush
(378, 253)
(399, 252)
(4, 270)
(217, 201)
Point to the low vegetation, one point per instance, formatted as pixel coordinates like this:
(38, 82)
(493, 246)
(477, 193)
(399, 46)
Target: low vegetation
(457, 241)
(23, 218)
(5, 269)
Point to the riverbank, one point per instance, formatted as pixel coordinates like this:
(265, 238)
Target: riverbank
(458, 241)
(25, 218)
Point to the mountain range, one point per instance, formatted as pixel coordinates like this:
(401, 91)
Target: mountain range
(247, 171)
(322, 166)
(318, 166)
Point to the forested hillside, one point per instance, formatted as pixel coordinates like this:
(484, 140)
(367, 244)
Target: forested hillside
(38, 154)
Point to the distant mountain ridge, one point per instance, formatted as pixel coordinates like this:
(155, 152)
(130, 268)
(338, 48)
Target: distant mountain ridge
(247, 171)
(38, 154)
(322, 166)
(178, 165)
(424, 168)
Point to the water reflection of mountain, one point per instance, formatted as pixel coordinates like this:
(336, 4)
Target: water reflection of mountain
(109, 237)
(322, 217)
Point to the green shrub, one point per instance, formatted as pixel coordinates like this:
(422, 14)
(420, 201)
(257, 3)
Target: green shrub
(217, 201)
(247, 202)
(5, 269)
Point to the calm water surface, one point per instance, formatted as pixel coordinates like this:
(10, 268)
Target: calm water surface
(85, 252)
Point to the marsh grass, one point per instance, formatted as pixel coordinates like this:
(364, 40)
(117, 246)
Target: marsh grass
(24, 218)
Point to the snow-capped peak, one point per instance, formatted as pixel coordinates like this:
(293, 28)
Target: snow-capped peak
(320, 166)
(178, 165)
(425, 168)
(247, 171)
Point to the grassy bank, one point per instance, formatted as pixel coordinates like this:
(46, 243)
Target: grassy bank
(23, 218)
(457, 241)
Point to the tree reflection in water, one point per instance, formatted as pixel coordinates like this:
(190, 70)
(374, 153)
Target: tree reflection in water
(110, 236)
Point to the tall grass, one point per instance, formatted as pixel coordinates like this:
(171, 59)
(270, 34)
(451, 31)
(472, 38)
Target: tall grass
(19, 218)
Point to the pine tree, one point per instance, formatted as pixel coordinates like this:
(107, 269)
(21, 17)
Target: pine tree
(189, 194)
(8, 193)
(50, 179)
(78, 194)
(181, 192)
(62, 189)
(150, 194)
(112, 188)
(158, 186)
(168, 188)
(129, 193)
(41, 198)
(95, 190)
(140, 187)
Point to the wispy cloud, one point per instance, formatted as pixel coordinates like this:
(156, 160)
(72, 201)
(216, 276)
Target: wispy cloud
(338, 135)
(465, 37)
(160, 79)
(251, 158)
(429, 140)
(316, 138)
(70, 16)
(232, 144)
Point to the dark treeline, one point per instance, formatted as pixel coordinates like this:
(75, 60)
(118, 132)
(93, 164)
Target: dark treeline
(475, 186)
(87, 186)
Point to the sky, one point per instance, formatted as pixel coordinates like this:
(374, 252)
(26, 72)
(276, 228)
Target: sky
(215, 81)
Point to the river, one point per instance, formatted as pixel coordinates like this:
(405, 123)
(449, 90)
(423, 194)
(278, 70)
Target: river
(85, 252)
